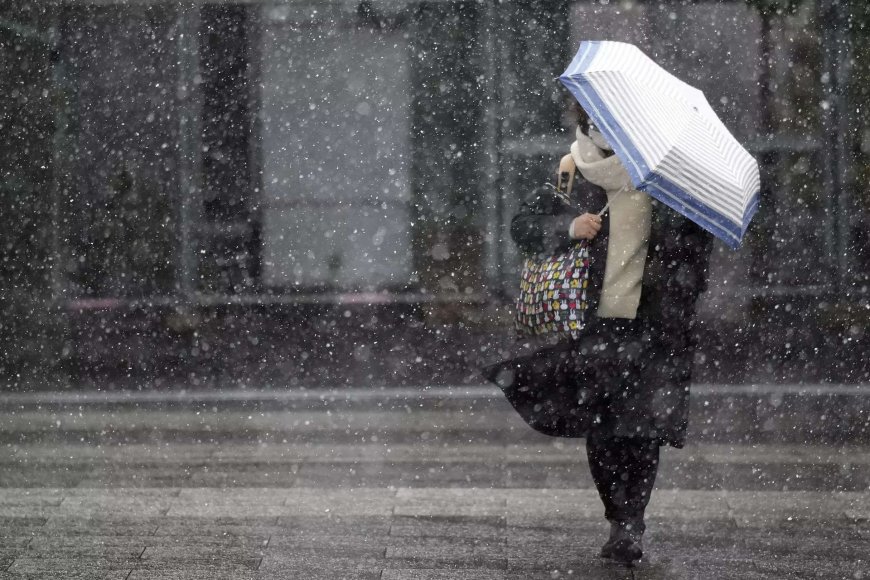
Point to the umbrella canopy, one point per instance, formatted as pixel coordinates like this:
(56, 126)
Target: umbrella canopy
(667, 136)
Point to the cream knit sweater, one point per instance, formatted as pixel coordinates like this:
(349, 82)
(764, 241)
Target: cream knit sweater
(630, 220)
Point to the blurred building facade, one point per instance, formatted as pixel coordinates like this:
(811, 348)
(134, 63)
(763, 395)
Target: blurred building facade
(184, 158)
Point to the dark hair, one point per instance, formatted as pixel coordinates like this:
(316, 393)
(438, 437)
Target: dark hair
(579, 113)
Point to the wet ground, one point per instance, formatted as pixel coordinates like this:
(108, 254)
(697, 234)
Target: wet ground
(398, 485)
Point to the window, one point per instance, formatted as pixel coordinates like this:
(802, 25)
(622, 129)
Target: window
(335, 130)
(117, 167)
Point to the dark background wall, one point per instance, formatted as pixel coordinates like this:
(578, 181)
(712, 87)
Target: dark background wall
(274, 194)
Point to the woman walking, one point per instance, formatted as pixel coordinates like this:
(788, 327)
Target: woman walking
(623, 385)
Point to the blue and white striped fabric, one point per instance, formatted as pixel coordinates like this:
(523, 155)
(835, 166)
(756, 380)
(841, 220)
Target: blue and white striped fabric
(666, 134)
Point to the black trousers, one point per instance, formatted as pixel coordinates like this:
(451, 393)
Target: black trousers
(624, 471)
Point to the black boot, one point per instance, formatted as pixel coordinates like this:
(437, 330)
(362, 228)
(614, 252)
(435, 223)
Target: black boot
(607, 548)
(625, 545)
(624, 473)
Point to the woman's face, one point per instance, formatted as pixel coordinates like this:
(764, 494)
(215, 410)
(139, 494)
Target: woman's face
(575, 116)
(582, 117)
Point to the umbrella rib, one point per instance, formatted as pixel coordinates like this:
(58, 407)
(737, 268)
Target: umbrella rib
(724, 231)
(635, 119)
(731, 211)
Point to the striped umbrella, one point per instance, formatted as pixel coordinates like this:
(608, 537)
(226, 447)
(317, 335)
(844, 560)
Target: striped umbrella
(667, 136)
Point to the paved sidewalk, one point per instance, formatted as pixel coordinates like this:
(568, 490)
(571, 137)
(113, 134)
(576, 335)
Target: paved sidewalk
(410, 490)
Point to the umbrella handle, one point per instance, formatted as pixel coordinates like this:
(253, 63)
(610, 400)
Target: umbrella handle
(610, 199)
(567, 169)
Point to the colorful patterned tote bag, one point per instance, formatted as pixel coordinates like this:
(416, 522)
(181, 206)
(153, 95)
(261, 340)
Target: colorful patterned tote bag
(552, 298)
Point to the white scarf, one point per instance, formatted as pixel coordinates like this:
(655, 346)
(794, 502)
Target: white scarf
(630, 220)
(605, 172)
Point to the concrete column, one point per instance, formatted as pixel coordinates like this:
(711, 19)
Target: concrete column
(832, 16)
(189, 159)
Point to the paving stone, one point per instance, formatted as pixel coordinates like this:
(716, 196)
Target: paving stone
(599, 572)
(194, 552)
(563, 562)
(134, 544)
(445, 542)
(789, 477)
(689, 504)
(193, 509)
(135, 477)
(336, 546)
(440, 574)
(206, 503)
(175, 570)
(407, 474)
(121, 494)
(348, 537)
(18, 511)
(24, 522)
(69, 453)
(760, 454)
(542, 503)
(583, 534)
(294, 453)
(73, 567)
(317, 566)
(31, 497)
(244, 477)
(220, 524)
(696, 475)
(9, 553)
(443, 509)
(43, 476)
(13, 543)
(17, 532)
(450, 502)
(96, 504)
(236, 536)
(478, 528)
(352, 502)
(115, 524)
(752, 509)
(666, 526)
(271, 496)
(527, 475)
(86, 551)
(312, 526)
(566, 476)
(550, 522)
(232, 421)
(448, 556)
(662, 567)
(5, 561)
(738, 567)
(332, 572)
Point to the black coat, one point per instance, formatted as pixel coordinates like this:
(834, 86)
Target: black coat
(622, 377)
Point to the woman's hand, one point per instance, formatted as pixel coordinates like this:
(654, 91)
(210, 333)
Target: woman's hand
(585, 227)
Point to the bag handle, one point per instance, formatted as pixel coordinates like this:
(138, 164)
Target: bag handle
(567, 169)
